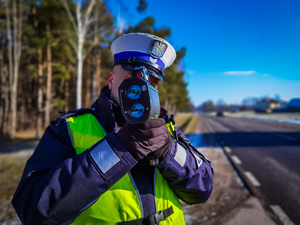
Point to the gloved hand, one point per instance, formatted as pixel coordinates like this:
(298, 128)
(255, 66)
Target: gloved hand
(151, 137)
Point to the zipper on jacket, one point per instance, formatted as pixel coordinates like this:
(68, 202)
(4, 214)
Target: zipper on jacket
(137, 193)
(154, 183)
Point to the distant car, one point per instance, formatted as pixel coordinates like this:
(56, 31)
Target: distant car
(219, 113)
(234, 110)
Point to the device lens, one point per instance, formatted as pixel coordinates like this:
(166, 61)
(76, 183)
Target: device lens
(137, 110)
(134, 92)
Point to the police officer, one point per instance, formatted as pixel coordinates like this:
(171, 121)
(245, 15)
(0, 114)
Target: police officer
(92, 166)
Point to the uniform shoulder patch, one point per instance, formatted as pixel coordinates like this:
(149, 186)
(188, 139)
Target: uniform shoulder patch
(198, 160)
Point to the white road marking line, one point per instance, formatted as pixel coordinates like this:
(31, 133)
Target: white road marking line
(252, 179)
(284, 137)
(281, 214)
(236, 160)
(227, 149)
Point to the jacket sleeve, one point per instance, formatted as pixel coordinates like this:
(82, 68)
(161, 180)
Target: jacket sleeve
(57, 185)
(187, 171)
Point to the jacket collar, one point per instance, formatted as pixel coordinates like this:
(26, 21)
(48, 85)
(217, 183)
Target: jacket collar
(107, 112)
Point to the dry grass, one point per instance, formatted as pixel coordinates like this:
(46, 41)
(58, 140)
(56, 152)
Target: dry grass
(181, 118)
(28, 134)
(193, 125)
(188, 122)
(11, 169)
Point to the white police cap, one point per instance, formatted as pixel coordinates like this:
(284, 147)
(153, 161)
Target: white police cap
(145, 49)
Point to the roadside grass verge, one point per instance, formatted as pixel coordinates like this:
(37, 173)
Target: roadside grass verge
(188, 122)
(11, 169)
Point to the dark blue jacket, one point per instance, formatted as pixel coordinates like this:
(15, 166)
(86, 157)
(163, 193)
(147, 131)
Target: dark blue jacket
(57, 185)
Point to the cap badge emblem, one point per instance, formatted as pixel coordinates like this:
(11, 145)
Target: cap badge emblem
(157, 49)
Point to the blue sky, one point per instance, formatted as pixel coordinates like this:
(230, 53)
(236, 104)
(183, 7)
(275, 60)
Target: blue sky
(235, 48)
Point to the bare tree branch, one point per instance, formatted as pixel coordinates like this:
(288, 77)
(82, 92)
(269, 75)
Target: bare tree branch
(73, 44)
(87, 19)
(66, 6)
(90, 48)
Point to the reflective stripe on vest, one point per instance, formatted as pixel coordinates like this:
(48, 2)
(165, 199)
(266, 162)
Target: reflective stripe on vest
(122, 201)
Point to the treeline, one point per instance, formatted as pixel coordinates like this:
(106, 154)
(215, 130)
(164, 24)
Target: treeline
(209, 106)
(55, 56)
(249, 103)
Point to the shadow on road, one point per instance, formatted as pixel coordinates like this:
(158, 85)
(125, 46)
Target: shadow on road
(17, 144)
(247, 139)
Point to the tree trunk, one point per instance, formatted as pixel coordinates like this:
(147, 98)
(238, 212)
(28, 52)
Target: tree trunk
(79, 74)
(23, 119)
(96, 83)
(6, 115)
(10, 61)
(17, 11)
(15, 75)
(67, 95)
(40, 93)
(49, 80)
(97, 61)
(4, 98)
(80, 36)
(88, 86)
(2, 88)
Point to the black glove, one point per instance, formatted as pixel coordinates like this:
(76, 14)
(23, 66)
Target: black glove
(145, 138)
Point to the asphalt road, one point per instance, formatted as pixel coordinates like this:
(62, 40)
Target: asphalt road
(267, 157)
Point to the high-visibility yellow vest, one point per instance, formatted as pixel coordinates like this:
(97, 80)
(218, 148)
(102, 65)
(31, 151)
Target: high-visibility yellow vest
(122, 201)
